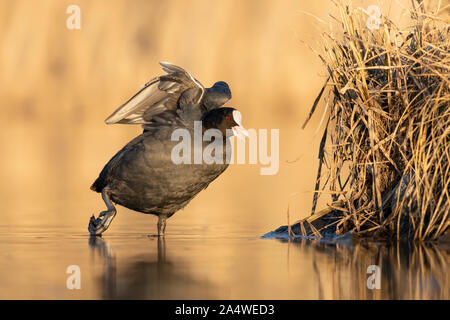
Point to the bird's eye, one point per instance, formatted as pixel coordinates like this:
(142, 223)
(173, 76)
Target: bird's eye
(228, 118)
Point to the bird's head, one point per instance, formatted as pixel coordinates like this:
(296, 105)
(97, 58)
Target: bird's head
(225, 119)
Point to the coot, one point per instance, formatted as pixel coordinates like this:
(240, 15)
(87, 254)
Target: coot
(143, 175)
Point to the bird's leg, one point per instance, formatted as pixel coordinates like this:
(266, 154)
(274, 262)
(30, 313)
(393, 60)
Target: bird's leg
(162, 225)
(101, 224)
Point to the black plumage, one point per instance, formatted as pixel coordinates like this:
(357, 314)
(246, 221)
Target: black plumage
(142, 176)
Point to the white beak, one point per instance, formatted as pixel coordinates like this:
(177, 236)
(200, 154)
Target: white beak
(239, 131)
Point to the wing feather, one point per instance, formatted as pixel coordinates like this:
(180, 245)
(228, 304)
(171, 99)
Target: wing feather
(158, 100)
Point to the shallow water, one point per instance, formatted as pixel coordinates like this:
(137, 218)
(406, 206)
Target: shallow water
(211, 264)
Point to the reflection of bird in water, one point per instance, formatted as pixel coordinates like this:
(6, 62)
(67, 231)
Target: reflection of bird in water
(144, 176)
(100, 247)
(148, 276)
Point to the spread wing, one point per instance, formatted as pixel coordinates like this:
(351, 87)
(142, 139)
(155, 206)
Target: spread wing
(158, 100)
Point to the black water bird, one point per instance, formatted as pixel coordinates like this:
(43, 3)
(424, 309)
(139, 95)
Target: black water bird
(143, 175)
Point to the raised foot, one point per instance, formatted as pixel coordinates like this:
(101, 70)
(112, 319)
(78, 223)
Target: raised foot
(99, 225)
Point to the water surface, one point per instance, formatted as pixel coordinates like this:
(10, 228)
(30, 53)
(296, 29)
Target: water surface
(211, 264)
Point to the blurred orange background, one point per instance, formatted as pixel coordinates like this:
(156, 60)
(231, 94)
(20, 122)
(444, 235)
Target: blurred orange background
(58, 85)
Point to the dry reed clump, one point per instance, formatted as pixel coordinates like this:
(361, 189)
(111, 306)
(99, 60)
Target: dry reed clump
(384, 155)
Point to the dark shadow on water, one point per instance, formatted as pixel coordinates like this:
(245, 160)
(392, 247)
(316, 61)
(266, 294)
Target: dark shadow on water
(150, 275)
(408, 270)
